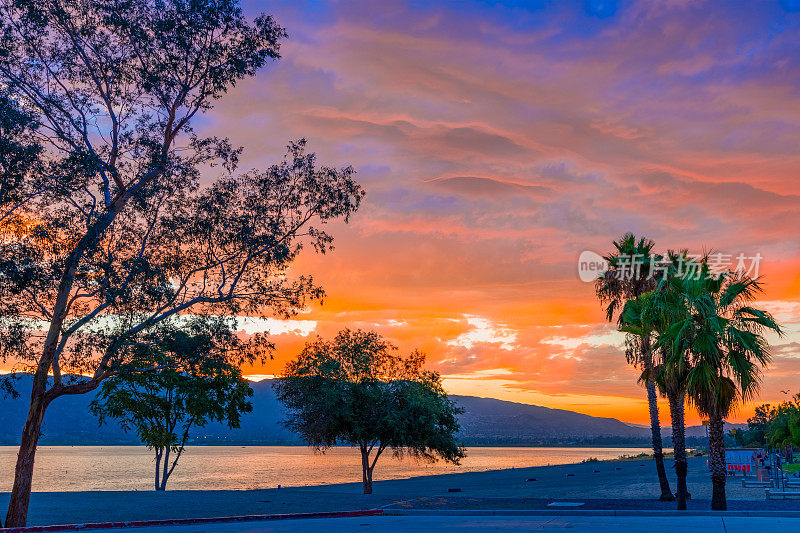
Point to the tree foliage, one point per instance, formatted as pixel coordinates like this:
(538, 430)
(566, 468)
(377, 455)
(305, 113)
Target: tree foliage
(644, 320)
(185, 378)
(776, 426)
(630, 274)
(356, 389)
(723, 335)
(631, 269)
(116, 215)
(781, 423)
(713, 341)
(758, 427)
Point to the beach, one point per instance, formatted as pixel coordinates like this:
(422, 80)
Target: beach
(130, 468)
(595, 485)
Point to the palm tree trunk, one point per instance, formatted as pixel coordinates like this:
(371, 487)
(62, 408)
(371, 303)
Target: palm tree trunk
(658, 452)
(716, 462)
(679, 445)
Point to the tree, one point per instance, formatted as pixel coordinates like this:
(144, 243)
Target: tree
(113, 231)
(760, 421)
(187, 377)
(19, 156)
(758, 426)
(663, 307)
(630, 275)
(783, 426)
(646, 317)
(356, 390)
(670, 378)
(20, 152)
(722, 336)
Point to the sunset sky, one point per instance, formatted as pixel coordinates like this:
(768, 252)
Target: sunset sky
(499, 140)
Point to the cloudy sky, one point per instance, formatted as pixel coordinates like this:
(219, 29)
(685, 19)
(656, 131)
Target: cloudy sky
(499, 140)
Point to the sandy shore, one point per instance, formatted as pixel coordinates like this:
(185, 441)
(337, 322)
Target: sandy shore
(627, 484)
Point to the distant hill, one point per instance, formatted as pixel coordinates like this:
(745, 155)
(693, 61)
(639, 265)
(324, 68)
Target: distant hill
(485, 421)
(490, 421)
(700, 431)
(69, 422)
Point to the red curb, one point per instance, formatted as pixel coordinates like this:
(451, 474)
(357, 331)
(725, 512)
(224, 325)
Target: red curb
(191, 521)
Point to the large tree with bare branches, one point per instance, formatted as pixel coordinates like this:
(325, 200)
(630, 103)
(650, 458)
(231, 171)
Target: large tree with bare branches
(112, 218)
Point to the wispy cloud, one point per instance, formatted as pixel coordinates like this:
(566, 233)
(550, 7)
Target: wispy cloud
(483, 330)
(497, 141)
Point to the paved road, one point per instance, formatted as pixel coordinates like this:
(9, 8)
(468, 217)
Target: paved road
(436, 524)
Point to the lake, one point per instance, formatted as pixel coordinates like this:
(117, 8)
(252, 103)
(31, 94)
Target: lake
(80, 468)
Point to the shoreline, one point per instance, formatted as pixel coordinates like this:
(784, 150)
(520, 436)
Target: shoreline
(262, 467)
(597, 485)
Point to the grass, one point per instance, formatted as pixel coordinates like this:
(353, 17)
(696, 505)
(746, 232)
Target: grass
(644, 457)
(638, 457)
(791, 467)
(648, 456)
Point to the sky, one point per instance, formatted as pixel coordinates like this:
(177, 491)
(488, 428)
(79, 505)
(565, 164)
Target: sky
(497, 140)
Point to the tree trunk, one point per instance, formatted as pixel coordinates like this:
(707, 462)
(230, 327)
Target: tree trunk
(166, 471)
(679, 445)
(23, 475)
(368, 485)
(159, 453)
(716, 462)
(17, 515)
(366, 471)
(658, 452)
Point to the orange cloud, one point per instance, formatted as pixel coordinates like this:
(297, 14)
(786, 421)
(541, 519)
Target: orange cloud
(497, 143)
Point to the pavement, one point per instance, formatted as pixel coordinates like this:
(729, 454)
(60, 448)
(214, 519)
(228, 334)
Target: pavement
(631, 485)
(436, 524)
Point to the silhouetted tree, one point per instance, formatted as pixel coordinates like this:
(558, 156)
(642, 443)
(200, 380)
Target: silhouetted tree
(721, 335)
(631, 273)
(19, 156)
(186, 377)
(651, 314)
(112, 231)
(356, 390)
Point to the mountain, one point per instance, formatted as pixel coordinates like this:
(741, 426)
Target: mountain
(700, 431)
(490, 421)
(69, 422)
(485, 421)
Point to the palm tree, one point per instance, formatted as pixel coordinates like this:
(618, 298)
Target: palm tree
(622, 282)
(646, 317)
(671, 380)
(722, 336)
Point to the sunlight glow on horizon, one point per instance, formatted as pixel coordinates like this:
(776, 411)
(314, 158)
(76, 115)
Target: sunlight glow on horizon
(496, 141)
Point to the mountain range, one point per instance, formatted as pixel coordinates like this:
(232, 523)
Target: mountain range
(485, 421)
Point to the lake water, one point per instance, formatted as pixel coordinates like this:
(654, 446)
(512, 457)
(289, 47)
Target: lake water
(79, 468)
